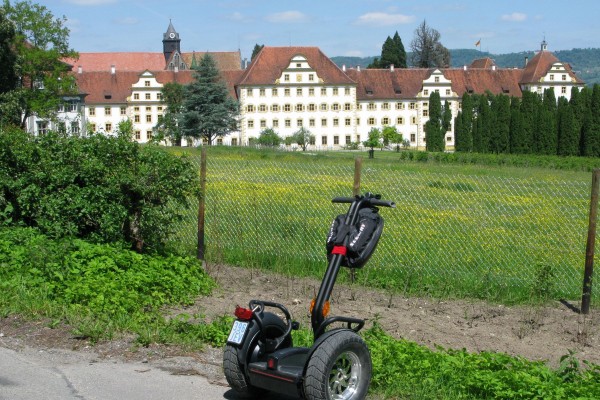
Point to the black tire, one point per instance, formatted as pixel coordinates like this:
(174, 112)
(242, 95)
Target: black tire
(234, 373)
(340, 368)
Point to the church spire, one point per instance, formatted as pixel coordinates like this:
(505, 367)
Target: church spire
(171, 42)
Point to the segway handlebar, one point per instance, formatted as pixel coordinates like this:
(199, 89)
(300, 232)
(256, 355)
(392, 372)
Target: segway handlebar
(371, 201)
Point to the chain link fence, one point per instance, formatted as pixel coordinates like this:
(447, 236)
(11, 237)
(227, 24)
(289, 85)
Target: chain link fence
(469, 234)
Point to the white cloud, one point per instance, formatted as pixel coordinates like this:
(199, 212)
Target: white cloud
(286, 16)
(91, 2)
(379, 18)
(514, 17)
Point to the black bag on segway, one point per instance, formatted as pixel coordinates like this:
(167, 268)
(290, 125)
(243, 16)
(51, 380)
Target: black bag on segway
(362, 237)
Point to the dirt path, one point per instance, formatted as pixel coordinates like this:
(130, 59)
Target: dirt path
(536, 333)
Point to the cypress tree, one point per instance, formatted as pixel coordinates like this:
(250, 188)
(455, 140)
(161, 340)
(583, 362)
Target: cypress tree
(485, 125)
(467, 121)
(433, 127)
(400, 51)
(500, 133)
(458, 133)
(568, 131)
(529, 109)
(592, 125)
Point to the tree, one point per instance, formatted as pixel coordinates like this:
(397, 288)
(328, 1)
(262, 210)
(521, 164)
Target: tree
(591, 129)
(41, 43)
(434, 133)
(256, 50)
(427, 51)
(518, 144)
(268, 137)
(463, 135)
(374, 140)
(168, 126)
(500, 134)
(302, 137)
(391, 135)
(208, 109)
(392, 53)
(8, 58)
(568, 130)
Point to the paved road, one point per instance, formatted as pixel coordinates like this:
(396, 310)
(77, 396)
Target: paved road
(31, 374)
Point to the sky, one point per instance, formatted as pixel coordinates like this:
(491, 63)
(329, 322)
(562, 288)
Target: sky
(337, 27)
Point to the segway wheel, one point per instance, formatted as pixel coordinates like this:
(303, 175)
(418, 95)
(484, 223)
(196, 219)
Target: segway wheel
(340, 368)
(234, 375)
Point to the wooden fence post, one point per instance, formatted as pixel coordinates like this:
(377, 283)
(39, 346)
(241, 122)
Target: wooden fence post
(589, 248)
(201, 203)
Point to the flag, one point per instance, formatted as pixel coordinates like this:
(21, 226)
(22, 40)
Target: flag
(478, 43)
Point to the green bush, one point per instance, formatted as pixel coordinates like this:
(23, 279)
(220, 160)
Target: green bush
(104, 189)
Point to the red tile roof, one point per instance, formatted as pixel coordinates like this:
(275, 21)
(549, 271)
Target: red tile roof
(482, 63)
(226, 60)
(386, 84)
(539, 66)
(269, 63)
(478, 80)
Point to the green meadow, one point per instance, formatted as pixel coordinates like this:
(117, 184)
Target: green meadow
(509, 231)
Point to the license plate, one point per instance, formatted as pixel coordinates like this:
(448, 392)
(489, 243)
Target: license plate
(238, 331)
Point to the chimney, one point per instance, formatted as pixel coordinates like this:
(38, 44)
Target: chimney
(113, 69)
(464, 67)
(526, 60)
(493, 67)
(391, 67)
(80, 69)
(344, 67)
(358, 68)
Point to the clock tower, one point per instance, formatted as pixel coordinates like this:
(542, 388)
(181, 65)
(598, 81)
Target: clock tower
(171, 42)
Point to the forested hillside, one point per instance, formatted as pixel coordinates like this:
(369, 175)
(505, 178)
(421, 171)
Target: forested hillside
(585, 62)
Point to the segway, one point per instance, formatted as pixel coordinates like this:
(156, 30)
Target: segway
(259, 356)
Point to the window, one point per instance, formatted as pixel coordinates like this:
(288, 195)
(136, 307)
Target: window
(250, 92)
(412, 106)
(148, 96)
(551, 77)
(436, 79)
(234, 141)
(336, 140)
(107, 111)
(262, 108)
(263, 123)
(299, 123)
(448, 138)
(136, 118)
(159, 109)
(385, 121)
(250, 123)
(286, 77)
(385, 106)
(425, 92)
(148, 109)
(347, 107)
(347, 91)
(61, 108)
(136, 96)
(311, 77)
(159, 96)
(250, 108)
(357, 121)
(348, 121)
(336, 122)
(335, 107)
(147, 83)
(412, 137)
(108, 127)
(287, 107)
(299, 92)
(262, 92)
(275, 108)
(311, 122)
(298, 65)
(311, 91)
(348, 139)
(286, 92)
(123, 110)
(148, 118)
(447, 92)
(324, 140)
(42, 127)
(563, 90)
(399, 121)
(371, 121)
(299, 107)
(93, 127)
(312, 107)
(371, 106)
(138, 135)
(288, 123)
(426, 113)
(323, 91)
(413, 120)
(275, 92)
(399, 106)
(323, 107)
(74, 128)
(323, 121)
(275, 123)
(335, 91)
(149, 135)
(312, 140)
(136, 109)
(358, 138)
(564, 77)
(92, 111)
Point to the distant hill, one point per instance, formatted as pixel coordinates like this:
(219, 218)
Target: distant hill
(585, 62)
